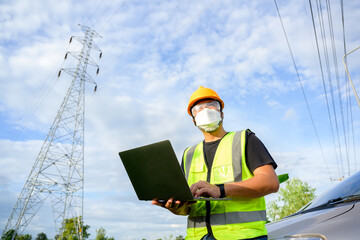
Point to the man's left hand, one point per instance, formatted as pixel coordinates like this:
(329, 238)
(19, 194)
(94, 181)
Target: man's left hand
(205, 189)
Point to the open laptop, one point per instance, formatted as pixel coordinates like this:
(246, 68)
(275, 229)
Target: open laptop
(155, 173)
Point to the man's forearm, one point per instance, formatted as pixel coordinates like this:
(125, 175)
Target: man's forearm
(264, 182)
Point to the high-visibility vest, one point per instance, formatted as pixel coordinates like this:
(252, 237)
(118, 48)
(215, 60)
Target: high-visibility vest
(232, 219)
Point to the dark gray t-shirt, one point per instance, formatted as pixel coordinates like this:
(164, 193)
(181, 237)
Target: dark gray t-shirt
(256, 153)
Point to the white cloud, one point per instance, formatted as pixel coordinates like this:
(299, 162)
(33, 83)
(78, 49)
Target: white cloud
(290, 114)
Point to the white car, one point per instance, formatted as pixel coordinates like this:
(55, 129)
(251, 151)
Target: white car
(335, 215)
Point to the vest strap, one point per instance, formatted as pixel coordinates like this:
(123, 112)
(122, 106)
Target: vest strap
(237, 156)
(189, 156)
(227, 218)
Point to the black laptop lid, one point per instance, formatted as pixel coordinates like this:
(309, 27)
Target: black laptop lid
(155, 173)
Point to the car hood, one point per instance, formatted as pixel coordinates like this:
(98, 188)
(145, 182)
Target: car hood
(340, 222)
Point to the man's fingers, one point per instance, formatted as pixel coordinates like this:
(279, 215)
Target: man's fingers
(193, 189)
(200, 192)
(178, 204)
(169, 203)
(157, 203)
(196, 187)
(207, 191)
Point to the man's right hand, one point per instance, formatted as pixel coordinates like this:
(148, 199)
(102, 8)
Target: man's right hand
(175, 206)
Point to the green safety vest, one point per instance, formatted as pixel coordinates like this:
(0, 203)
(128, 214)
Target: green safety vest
(233, 219)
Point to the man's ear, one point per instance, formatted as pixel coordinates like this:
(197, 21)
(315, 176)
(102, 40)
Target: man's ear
(222, 115)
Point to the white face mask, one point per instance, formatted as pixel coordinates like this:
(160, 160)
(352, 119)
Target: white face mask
(208, 120)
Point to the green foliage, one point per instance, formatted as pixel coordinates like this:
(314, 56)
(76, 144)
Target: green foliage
(291, 197)
(9, 234)
(70, 232)
(101, 235)
(24, 237)
(41, 236)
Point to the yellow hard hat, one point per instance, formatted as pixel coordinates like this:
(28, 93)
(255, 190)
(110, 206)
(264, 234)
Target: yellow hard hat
(203, 93)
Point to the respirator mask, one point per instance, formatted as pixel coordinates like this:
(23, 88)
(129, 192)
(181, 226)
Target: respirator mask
(207, 119)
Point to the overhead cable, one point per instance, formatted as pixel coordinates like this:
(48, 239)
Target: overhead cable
(332, 38)
(302, 88)
(327, 64)
(324, 87)
(349, 105)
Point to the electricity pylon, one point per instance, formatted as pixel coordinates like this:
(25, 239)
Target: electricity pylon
(58, 171)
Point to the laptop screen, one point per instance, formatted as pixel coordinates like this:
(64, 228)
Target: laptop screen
(155, 172)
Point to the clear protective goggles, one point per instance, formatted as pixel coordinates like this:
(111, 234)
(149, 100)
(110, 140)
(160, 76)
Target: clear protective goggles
(198, 107)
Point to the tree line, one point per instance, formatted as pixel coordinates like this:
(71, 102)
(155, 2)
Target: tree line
(69, 232)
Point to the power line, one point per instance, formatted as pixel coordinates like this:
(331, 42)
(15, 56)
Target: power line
(136, 24)
(169, 37)
(328, 7)
(324, 85)
(301, 85)
(95, 10)
(327, 64)
(44, 90)
(349, 77)
(39, 96)
(349, 105)
(111, 16)
(352, 84)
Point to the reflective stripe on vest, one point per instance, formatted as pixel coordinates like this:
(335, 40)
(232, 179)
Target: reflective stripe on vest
(235, 218)
(231, 218)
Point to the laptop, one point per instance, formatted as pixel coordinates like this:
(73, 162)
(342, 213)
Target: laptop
(155, 173)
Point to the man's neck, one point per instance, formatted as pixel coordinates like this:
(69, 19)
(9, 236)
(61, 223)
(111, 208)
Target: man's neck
(218, 134)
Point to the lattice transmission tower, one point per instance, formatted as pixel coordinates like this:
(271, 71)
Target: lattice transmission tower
(58, 172)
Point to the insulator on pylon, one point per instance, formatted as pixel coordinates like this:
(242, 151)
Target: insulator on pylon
(66, 56)
(95, 88)
(97, 71)
(100, 55)
(70, 40)
(59, 73)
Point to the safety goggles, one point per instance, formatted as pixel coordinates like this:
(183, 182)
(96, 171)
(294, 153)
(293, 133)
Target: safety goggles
(198, 107)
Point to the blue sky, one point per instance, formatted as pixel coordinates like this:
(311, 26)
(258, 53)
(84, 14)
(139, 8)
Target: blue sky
(155, 54)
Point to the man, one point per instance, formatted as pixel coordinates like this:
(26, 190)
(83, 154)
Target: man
(234, 165)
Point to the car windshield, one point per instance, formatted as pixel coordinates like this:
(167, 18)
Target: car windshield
(348, 187)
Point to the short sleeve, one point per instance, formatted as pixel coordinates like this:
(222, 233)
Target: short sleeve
(256, 153)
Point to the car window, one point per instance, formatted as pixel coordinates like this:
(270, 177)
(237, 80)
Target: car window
(350, 186)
